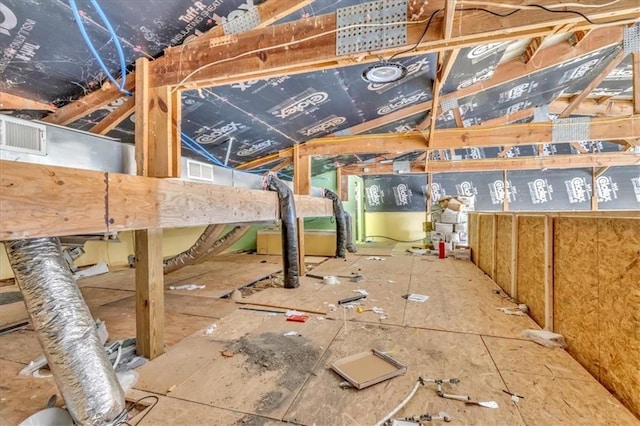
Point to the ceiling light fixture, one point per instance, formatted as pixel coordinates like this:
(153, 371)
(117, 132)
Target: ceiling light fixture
(384, 72)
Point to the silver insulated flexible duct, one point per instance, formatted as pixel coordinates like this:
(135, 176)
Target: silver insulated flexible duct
(66, 331)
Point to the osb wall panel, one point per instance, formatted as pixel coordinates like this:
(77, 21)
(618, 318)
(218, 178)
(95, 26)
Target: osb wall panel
(503, 251)
(530, 273)
(485, 258)
(575, 286)
(619, 308)
(472, 232)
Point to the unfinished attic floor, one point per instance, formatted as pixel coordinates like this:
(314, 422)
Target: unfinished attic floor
(247, 372)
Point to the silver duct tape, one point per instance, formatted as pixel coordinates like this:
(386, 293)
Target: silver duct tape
(188, 257)
(66, 331)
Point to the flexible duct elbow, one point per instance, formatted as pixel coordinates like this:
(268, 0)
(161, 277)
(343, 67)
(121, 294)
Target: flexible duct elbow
(66, 331)
(341, 224)
(351, 245)
(289, 230)
(190, 256)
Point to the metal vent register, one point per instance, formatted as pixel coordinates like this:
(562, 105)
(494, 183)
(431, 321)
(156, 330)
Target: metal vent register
(22, 136)
(371, 26)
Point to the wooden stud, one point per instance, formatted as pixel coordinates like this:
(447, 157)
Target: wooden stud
(115, 117)
(494, 232)
(149, 293)
(505, 183)
(577, 37)
(594, 192)
(595, 82)
(514, 256)
(579, 148)
(548, 272)
(611, 108)
(301, 172)
(635, 60)
(301, 249)
(142, 116)
(532, 49)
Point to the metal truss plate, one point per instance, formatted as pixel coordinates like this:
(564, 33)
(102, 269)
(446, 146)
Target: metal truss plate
(371, 26)
(541, 113)
(631, 39)
(245, 22)
(573, 129)
(449, 103)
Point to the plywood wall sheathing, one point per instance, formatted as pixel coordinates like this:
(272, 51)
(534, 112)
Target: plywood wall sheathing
(503, 252)
(619, 308)
(531, 270)
(576, 288)
(485, 243)
(474, 222)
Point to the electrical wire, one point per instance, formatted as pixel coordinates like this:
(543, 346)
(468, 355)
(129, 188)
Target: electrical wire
(148, 409)
(116, 41)
(424, 33)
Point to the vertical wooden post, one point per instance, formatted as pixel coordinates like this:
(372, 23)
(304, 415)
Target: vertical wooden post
(514, 256)
(594, 192)
(157, 155)
(301, 185)
(149, 293)
(548, 272)
(494, 232)
(505, 202)
(635, 61)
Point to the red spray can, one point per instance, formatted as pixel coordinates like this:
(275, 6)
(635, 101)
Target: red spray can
(441, 251)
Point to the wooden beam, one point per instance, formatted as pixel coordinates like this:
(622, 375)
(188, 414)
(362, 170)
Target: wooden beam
(579, 148)
(520, 163)
(635, 60)
(164, 137)
(268, 13)
(271, 158)
(475, 136)
(89, 103)
(309, 44)
(9, 101)
(577, 37)
(611, 108)
(115, 117)
(514, 257)
(142, 129)
(149, 293)
(46, 201)
(548, 272)
(595, 82)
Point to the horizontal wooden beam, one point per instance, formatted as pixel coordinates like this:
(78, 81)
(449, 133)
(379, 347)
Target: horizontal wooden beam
(9, 101)
(621, 128)
(309, 44)
(43, 201)
(611, 108)
(522, 163)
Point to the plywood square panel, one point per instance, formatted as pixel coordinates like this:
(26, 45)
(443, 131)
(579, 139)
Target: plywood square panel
(504, 251)
(486, 246)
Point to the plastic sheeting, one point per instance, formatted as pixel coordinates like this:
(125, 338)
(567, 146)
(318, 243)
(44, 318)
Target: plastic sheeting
(289, 230)
(66, 331)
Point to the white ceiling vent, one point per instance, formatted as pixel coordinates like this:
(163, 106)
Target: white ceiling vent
(22, 136)
(199, 171)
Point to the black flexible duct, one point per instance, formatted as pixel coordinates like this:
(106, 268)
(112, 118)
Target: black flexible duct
(289, 230)
(351, 244)
(341, 223)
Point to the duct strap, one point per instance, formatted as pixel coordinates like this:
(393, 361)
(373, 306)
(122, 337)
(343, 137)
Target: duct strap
(289, 230)
(341, 223)
(66, 331)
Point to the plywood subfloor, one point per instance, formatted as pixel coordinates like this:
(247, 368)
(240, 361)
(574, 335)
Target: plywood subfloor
(266, 378)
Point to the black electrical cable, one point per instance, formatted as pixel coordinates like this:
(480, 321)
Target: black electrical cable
(501, 15)
(546, 9)
(424, 33)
